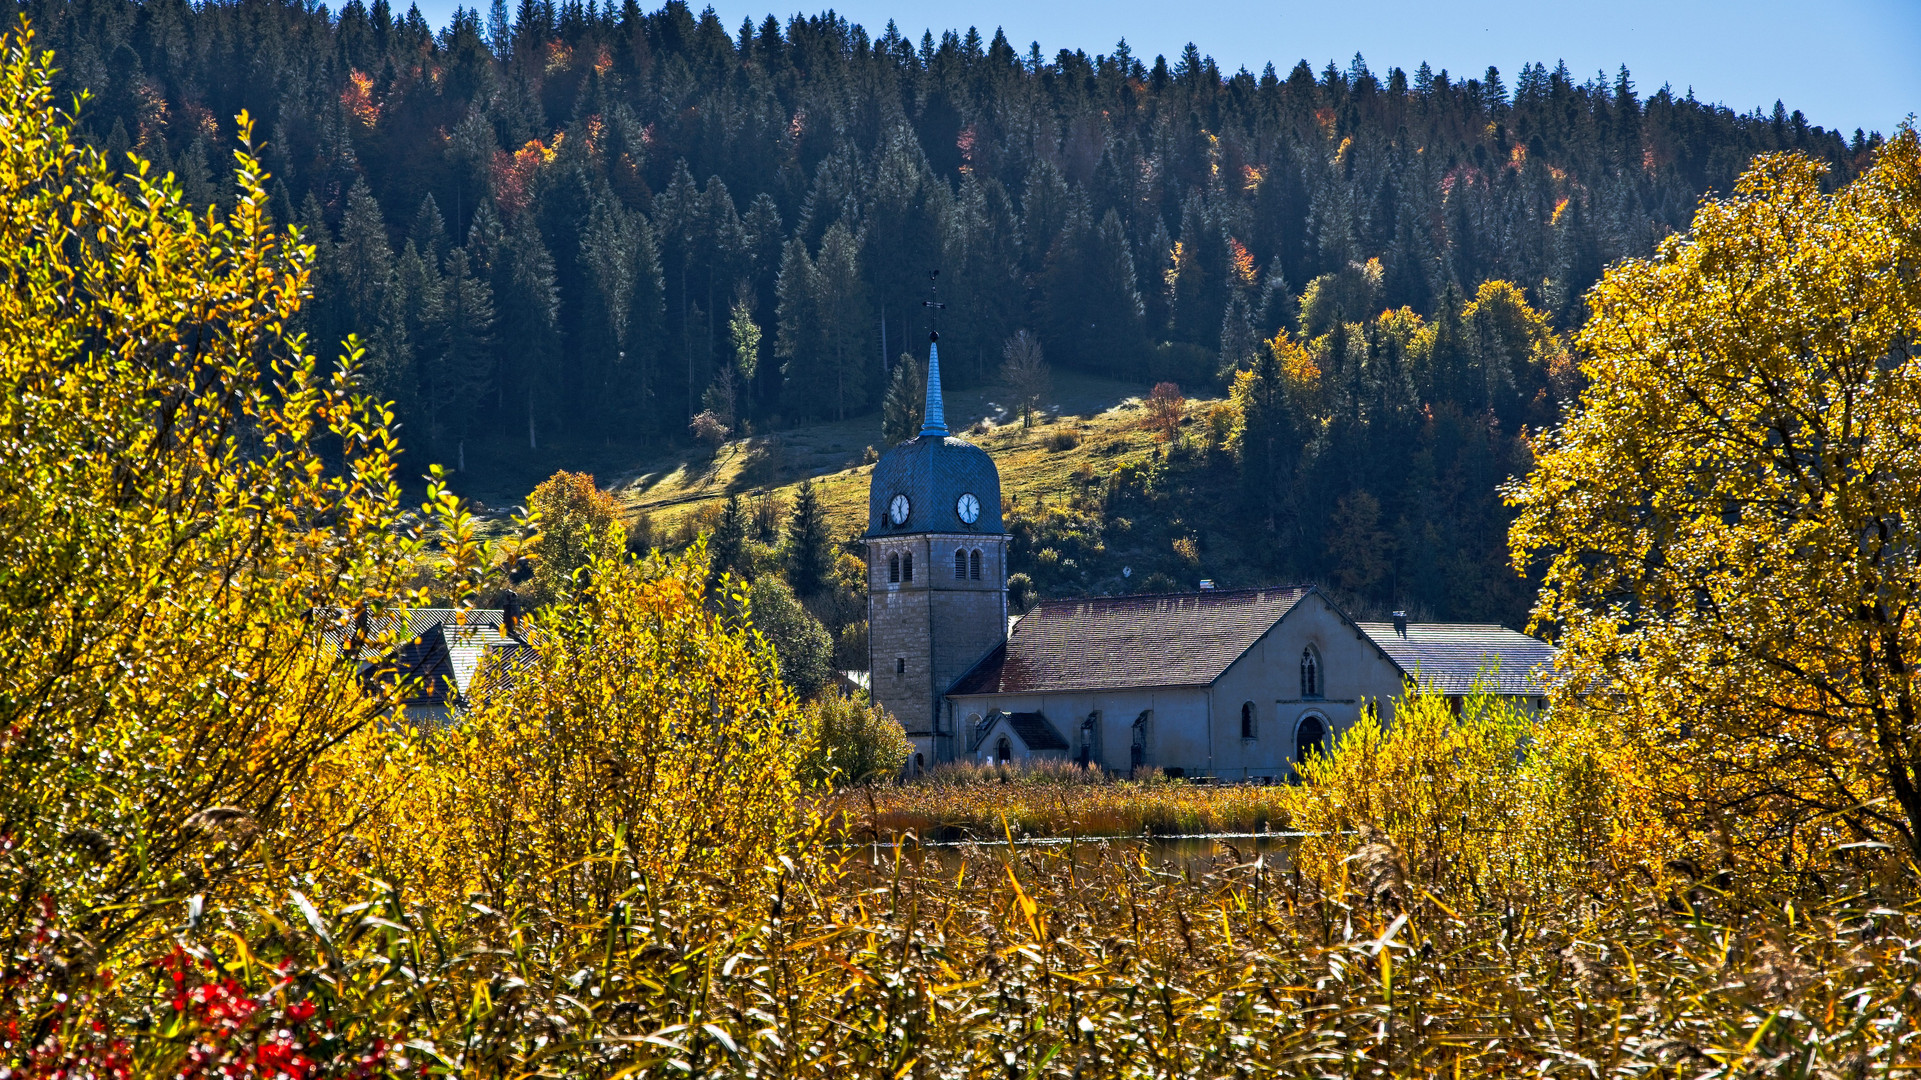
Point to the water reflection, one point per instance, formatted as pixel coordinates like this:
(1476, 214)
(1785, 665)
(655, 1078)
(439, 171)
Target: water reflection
(1193, 853)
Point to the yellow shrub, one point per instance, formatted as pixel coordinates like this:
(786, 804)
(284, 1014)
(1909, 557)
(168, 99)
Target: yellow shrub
(1491, 802)
(644, 743)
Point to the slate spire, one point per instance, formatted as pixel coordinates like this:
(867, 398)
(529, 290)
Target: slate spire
(933, 415)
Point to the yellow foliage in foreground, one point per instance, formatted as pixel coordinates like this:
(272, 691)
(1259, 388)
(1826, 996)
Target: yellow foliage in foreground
(1727, 517)
(643, 744)
(172, 529)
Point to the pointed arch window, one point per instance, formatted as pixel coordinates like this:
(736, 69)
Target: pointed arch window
(1311, 681)
(893, 567)
(974, 565)
(960, 564)
(907, 566)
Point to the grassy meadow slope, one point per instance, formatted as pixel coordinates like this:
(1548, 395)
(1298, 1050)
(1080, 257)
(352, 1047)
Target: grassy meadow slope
(1106, 414)
(1074, 530)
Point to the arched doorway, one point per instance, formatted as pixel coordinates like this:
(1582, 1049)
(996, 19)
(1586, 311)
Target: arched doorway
(1310, 738)
(1003, 750)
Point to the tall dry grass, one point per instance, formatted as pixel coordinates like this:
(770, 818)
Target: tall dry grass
(966, 799)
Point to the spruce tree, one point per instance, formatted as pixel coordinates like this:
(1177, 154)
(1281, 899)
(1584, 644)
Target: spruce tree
(809, 552)
(727, 549)
(900, 415)
(460, 366)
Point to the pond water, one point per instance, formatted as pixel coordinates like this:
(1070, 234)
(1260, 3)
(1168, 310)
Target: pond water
(1198, 852)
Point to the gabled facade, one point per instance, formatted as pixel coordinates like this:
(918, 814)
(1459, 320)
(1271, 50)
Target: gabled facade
(1233, 685)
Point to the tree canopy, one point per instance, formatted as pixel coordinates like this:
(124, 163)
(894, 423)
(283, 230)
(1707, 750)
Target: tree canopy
(1727, 516)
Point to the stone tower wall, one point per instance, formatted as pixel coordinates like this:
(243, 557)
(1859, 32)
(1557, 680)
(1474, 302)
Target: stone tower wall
(924, 634)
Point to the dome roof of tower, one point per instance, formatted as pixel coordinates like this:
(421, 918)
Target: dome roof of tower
(934, 471)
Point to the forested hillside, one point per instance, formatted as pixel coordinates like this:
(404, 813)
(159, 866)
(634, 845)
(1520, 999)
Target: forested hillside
(582, 224)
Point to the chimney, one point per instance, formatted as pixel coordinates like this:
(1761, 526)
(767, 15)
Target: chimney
(1400, 623)
(510, 614)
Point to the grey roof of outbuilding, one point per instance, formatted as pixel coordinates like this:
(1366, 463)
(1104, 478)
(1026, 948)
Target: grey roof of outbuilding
(1455, 658)
(436, 655)
(1126, 642)
(1033, 728)
(934, 472)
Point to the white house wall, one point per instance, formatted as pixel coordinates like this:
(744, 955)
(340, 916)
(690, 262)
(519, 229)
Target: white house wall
(1198, 729)
(1353, 672)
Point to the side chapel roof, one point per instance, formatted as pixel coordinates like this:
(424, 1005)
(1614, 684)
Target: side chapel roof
(1454, 658)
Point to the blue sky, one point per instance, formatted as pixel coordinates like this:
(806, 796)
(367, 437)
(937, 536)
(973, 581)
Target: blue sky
(1845, 63)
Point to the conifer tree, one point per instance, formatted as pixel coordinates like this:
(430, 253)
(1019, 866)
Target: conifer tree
(809, 552)
(900, 417)
(727, 550)
(460, 366)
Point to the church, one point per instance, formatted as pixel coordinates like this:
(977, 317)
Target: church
(1231, 685)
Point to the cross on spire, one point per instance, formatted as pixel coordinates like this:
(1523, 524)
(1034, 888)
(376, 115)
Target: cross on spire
(933, 415)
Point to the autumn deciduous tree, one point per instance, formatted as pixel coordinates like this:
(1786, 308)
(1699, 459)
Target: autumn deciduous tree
(1024, 370)
(1728, 517)
(579, 523)
(190, 510)
(1165, 407)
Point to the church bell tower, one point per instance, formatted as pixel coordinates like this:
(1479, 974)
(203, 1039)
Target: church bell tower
(936, 573)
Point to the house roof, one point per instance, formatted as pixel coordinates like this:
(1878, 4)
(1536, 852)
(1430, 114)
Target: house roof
(1453, 658)
(1128, 642)
(435, 653)
(1033, 728)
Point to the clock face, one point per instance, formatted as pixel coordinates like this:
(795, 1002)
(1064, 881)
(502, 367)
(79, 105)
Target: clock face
(897, 510)
(969, 508)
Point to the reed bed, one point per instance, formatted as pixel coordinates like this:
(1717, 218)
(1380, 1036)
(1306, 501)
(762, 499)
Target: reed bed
(1005, 961)
(1055, 799)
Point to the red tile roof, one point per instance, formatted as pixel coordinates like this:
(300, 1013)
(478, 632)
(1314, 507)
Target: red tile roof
(1124, 642)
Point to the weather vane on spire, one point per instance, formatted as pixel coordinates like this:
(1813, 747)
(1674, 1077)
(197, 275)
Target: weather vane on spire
(933, 305)
(933, 413)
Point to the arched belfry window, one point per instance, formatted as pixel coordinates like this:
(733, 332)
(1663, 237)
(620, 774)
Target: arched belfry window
(907, 566)
(974, 565)
(1311, 681)
(1247, 720)
(960, 564)
(893, 567)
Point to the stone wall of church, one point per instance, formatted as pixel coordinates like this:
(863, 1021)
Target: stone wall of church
(1350, 673)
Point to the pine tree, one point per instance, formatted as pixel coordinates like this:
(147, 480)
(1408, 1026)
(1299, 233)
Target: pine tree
(810, 555)
(900, 417)
(727, 550)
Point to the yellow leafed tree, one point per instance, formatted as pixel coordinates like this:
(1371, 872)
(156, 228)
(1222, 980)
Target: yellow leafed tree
(642, 742)
(1727, 518)
(184, 488)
